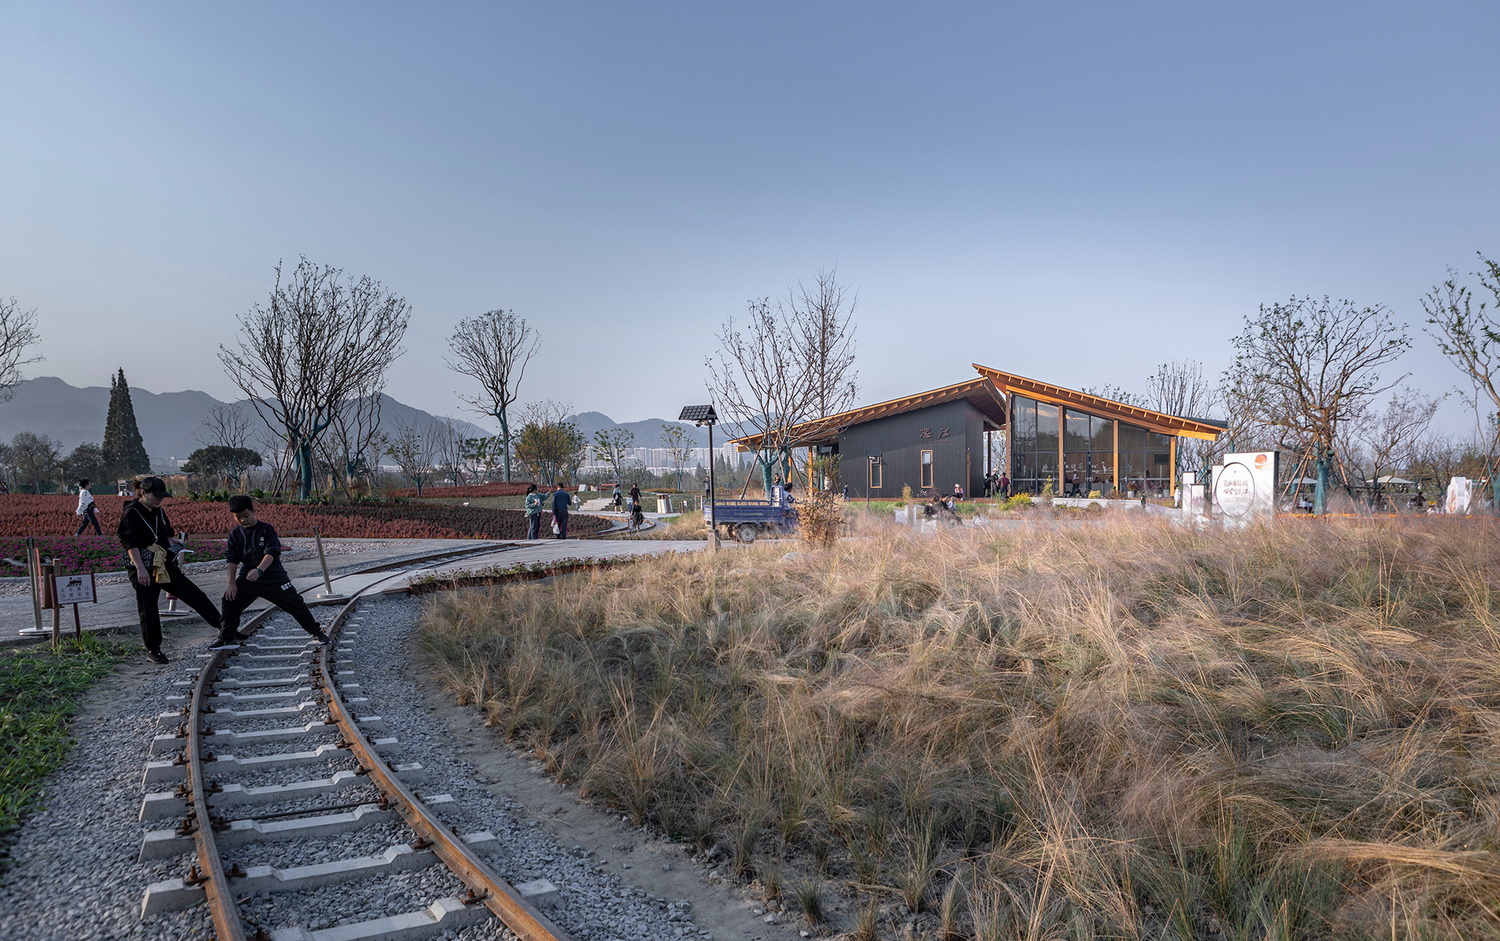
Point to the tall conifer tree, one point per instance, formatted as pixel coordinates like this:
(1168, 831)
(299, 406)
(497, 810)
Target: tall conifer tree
(124, 450)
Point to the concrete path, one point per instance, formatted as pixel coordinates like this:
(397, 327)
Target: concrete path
(115, 609)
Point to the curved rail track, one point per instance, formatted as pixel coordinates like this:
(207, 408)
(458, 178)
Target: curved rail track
(269, 679)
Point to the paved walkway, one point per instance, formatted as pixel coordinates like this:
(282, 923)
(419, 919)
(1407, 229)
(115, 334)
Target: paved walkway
(115, 609)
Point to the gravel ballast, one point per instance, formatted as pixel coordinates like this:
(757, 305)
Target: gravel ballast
(75, 875)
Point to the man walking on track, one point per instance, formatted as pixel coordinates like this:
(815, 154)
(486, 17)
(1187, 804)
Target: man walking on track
(254, 557)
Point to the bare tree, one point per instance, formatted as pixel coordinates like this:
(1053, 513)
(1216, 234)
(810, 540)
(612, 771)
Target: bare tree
(823, 326)
(318, 342)
(611, 446)
(447, 447)
(679, 446)
(1313, 364)
(493, 349)
(1468, 333)
(1179, 388)
(788, 364)
(354, 441)
(1392, 437)
(226, 426)
(17, 332)
(413, 452)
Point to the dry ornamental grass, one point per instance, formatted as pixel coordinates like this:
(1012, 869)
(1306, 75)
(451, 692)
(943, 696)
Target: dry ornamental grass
(1086, 730)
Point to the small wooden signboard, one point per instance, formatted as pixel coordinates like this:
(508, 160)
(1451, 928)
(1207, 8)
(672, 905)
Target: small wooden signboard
(74, 590)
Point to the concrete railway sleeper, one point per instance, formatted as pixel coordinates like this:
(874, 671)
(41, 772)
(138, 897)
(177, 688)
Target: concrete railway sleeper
(307, 770)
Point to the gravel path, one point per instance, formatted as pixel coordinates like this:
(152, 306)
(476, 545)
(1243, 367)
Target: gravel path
(75, 874)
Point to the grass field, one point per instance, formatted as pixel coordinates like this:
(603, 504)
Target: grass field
(39, 692)
(1079, 730)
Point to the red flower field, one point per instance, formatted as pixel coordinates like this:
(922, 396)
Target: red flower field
(51, 516)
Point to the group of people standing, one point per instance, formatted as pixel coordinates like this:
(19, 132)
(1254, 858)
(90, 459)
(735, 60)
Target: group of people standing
(253, 552)
(559, 502)
(997, 484)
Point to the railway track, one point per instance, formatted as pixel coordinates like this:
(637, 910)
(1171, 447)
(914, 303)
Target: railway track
(272, 766)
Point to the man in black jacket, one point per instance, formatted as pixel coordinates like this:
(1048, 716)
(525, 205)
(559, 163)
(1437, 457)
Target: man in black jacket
(254, 557)
(151, 545)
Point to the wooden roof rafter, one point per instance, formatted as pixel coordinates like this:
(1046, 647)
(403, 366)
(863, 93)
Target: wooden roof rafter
(1159, 422)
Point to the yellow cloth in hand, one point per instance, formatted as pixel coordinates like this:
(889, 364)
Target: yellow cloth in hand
(158, 563)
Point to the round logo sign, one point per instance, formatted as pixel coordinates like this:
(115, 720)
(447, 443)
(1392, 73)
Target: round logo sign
(1234, 490)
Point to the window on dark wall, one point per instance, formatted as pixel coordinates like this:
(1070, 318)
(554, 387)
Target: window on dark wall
(875, 475)
(926, 480)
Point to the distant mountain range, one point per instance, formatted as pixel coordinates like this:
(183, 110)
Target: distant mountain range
(171, 423)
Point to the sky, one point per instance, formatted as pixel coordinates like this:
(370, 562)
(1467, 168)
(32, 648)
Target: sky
(1074, 192)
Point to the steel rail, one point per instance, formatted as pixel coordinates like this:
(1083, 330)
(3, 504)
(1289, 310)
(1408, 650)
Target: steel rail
(484, 885)
(228, 925)
(523, 919)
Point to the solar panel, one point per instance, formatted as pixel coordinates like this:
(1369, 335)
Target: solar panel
(698, 413)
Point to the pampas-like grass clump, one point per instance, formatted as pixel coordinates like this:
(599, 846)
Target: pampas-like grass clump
(1100, 729)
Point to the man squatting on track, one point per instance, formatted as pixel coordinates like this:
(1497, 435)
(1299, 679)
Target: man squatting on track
(254, 557)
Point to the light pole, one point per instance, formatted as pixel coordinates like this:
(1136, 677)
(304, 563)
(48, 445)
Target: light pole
(701, 415)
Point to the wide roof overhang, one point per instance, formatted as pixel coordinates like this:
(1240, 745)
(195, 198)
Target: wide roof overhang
(1159, 422)
(981, 393)
(988, 394)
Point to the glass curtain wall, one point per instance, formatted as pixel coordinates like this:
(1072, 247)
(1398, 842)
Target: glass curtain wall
(1145, 461)
(1033, 446)
(1089, 455)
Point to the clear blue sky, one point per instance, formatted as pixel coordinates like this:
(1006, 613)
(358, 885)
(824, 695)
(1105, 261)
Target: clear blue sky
(1073, 192)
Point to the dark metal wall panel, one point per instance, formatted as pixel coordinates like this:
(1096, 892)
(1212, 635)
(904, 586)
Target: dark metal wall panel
(953, 432)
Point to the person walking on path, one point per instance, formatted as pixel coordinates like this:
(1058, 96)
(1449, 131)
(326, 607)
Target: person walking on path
(86, 511)
(255, 571)
(619, 503)
(561, 501)
(150, 544)
(635, 495)
(534, 501)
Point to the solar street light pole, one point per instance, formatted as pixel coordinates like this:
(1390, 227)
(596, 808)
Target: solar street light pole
(701, 415)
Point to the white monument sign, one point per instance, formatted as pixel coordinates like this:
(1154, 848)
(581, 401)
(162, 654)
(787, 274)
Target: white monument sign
(1460, 496)
(1244, 489)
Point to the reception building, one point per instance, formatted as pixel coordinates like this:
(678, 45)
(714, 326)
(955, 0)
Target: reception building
(931, 441)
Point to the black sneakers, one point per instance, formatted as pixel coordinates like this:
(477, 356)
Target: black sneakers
(155, 656)
(222, 644)
(320, 638)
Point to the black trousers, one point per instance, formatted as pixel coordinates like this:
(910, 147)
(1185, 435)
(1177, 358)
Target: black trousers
(148, 598)
(89, 518)
(561, 518)
(282, 594)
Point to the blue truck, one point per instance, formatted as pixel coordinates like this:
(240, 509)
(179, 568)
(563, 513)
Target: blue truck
(744, 520)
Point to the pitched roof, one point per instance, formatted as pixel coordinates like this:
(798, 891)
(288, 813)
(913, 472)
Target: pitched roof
(1098, 405)
(980, 392)
(988, 394)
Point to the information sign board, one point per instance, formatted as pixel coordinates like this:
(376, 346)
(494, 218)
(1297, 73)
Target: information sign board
(73, 589)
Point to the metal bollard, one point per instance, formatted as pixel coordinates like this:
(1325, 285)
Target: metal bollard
(327, 594)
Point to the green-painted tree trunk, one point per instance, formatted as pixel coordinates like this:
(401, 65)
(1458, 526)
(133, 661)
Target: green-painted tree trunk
(1320, 494)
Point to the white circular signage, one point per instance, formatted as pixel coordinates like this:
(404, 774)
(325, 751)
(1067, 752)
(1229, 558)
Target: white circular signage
(1234, 490)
